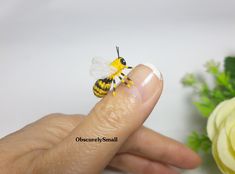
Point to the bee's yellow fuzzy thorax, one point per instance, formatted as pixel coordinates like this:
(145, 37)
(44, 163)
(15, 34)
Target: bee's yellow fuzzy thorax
(117, 64)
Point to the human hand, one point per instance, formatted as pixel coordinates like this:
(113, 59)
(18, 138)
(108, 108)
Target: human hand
(49, 146)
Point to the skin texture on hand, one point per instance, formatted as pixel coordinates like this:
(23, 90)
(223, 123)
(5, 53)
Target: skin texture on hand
(48, 145)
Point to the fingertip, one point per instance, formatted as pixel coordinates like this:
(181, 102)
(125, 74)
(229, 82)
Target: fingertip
(195, 160)
(191, 159)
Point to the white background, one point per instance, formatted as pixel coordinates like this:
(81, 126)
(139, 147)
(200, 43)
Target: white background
(46, 47)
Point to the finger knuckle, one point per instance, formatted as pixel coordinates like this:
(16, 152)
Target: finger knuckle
(109, 117)
(114, 113)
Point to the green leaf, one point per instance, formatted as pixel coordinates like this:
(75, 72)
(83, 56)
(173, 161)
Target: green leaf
(218, 96)
(212, 67)
(193, 141)
(199, 142)
(222, 79)
(205, 106)
(229, 66)
(203, 109)
(205, 143)
(189, 80)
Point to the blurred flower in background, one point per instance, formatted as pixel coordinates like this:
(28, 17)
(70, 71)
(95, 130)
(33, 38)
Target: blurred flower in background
(217, 105)
(221, 131)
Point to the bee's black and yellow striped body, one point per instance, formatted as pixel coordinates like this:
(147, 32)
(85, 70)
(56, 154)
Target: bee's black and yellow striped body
(102, 87)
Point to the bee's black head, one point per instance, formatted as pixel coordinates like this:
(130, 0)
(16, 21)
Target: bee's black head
(122, 60)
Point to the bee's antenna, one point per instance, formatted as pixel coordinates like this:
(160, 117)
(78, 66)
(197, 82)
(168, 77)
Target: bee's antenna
(117, 48)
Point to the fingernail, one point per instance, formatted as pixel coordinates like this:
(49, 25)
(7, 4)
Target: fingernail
(147, 79)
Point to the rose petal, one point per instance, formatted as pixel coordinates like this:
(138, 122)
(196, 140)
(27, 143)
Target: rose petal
(223, 112)
(230, 123)
(224, 151)
(211, 127)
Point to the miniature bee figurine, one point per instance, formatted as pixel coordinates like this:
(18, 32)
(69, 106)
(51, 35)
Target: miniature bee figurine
(106, 73)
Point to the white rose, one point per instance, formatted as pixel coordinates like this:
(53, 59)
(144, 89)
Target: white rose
(221, 131)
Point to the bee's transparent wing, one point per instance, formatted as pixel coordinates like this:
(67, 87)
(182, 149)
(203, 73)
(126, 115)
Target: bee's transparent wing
(100, 68)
